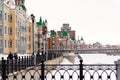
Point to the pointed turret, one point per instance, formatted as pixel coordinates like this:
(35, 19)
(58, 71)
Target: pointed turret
(45, 22)
(40, 22)
(82, 39)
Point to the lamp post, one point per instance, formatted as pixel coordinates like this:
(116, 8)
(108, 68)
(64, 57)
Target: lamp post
(33, 20)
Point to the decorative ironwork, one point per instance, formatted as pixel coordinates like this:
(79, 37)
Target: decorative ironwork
(23, 69)
(99, 72)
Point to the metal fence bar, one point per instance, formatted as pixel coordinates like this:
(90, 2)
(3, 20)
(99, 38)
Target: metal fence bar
(81, 70)
(42, 70)
(3, 69)
(118, 69)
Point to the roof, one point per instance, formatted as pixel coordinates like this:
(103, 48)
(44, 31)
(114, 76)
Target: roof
(64, 34)
(73, 38)
(52, 32)
(41, 22)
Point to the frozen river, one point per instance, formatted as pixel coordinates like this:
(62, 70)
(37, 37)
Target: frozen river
(98, 58)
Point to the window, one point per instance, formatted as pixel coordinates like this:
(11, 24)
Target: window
(10, 43)
(10, 30)
(5, 29)
(0, 15)
(10, 18)
(0, 32)
(29, 38)
(5, 44)
(1, 42)
(5, 16)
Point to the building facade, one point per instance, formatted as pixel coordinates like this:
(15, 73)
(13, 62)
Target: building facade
(15, 28)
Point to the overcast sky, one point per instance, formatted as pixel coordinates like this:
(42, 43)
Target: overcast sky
(95, 20)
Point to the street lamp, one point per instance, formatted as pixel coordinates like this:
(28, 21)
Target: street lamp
(33, 20)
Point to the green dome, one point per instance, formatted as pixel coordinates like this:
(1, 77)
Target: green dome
(73, 38)
(53, 33)
(64, 34)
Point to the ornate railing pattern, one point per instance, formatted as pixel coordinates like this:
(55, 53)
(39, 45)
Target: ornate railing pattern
(90, 72)
(99, 72)
(44, 71)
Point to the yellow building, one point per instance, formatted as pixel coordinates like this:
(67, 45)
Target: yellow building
(15, 28)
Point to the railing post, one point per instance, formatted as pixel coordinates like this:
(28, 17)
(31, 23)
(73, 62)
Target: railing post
(117, 69)
(81, 69)
(3, 69)
(19, 64)
(42, 70)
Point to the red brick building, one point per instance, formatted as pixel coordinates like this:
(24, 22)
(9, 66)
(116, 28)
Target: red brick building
(67, 28)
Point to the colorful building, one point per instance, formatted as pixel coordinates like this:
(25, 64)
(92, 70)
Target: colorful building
(15, 34)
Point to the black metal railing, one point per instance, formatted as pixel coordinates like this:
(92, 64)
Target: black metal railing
(99, 72)
(13, 65)
(24, 69)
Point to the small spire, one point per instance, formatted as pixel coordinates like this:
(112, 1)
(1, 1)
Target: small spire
(43, 23)
(40, 21)
(82, 39)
